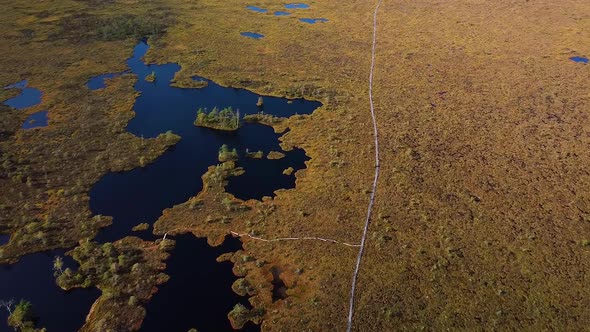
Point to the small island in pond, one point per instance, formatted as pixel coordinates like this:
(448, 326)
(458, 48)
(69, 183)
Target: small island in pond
(226, 119)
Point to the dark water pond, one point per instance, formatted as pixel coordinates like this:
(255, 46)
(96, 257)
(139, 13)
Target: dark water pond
(297, 5)
(36, 120)
(579, 59)
(257, 9)
(32, 279)
(4, 238)
(197, 294)
(28, 97)
(279, 13)
(314, 20)
(253, 35)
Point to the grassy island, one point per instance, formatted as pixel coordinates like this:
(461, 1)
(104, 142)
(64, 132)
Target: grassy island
(225, 154)
(151, 77)
(226, 119)
(266, 119)
(255, 155)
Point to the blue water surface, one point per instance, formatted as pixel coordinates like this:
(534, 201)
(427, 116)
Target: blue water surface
(253, 35)
(297, 5)
(279, 13)
(36, 120)
(257, 9)
(4, 238)
(28, 97)
(313, 20)
(579, 59)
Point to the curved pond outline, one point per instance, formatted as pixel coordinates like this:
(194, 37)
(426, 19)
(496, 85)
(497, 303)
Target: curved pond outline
(579, 59)
(36, 120)
(313, 20)
(257, 9)
(280, 13)
(28, 97)
(297, 5)
(253, 35)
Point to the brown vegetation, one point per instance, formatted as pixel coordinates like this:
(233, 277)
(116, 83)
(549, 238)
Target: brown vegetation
(127, 272)
(483, 205)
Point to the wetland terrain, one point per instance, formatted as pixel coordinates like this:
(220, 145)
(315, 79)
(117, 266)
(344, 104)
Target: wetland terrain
(173, 165)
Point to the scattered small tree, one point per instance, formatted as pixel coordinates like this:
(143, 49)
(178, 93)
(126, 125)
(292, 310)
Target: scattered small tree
(58, 265)
(22, 316)
(225, 154)
(226, 119)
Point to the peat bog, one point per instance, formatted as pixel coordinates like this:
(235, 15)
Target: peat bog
(140, 195)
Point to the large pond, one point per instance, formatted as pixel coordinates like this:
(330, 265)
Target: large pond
(199, 293)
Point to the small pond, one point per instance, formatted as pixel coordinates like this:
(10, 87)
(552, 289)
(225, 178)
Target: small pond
(4, 238)
(28, 97)
(314, 20)
(36, 120)
(297, 5)
(253, 35)
(279, 13)
(579, 59)
(257, 9)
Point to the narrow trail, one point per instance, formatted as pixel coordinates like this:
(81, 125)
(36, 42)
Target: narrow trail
(294, 239)
(376, 177)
